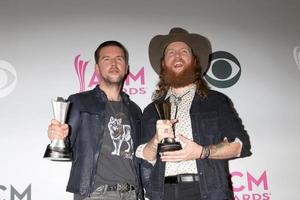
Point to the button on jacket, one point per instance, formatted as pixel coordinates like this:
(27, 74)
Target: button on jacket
(86, 129)
(213, 118)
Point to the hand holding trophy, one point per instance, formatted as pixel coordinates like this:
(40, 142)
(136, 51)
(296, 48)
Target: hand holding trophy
(164, 112)
(58, 150)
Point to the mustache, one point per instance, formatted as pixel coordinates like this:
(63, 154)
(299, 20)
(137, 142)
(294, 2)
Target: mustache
(181, 79)
(113, 68)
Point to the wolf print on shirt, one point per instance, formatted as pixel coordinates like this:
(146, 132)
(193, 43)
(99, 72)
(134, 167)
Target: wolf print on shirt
(120, 133)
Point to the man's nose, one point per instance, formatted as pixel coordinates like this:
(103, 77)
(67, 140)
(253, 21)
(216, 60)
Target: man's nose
(114, 61)
(177, 54)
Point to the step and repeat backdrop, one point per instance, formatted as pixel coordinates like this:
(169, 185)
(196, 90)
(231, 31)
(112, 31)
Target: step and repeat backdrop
(46, 50)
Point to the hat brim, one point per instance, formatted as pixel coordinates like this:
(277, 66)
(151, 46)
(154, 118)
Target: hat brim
(200, 46)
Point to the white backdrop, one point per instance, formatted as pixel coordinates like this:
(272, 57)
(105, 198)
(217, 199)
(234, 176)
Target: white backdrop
(43, 42)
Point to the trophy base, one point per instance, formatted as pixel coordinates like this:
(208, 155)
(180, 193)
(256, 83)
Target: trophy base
(57, 154)
(163, 147)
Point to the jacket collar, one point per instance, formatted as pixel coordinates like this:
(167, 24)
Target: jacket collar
(101, 94)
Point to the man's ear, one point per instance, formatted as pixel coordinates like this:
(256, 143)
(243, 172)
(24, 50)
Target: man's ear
(162, 63)
(97, 69)
(194, 60)
(127, 69)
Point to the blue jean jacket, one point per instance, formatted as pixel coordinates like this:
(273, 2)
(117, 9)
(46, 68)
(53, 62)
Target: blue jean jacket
(213, 118)
(86, 129)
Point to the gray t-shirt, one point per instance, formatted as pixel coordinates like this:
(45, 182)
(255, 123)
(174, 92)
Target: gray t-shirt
(115, 164)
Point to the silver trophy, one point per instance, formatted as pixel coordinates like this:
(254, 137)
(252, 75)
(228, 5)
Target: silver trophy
(164, 111)
(58, 150)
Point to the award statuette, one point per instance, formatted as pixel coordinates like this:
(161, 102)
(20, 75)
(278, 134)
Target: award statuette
(164, 112)
(57, 150)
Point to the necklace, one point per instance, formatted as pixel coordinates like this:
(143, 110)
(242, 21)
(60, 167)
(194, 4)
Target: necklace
(119, 112)
(177, 101)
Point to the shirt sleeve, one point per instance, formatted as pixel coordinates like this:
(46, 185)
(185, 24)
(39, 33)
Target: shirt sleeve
(236, 140)
(232, 127)
(140, 153)
(73, 119)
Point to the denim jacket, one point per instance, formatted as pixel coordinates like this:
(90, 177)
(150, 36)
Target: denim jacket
(86, 129)
(213, 118)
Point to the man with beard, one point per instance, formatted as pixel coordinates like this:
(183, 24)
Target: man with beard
(204, 122)
(103, 130)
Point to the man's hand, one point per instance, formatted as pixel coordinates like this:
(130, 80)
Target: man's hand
(190, 151)
(56, 130)
(164, 129)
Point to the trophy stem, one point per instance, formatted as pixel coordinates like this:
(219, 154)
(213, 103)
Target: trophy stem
(57, 150)
(58, 144)
(164, 112)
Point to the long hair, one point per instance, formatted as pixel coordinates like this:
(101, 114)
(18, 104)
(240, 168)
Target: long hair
(162, 87)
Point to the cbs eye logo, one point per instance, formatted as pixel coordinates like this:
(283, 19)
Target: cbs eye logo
(225, 70)
(8, 78)
(297, 56)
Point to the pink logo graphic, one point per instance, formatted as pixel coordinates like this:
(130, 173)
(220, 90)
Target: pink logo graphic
(133, 85)
(250, 187)
(80, 67)
(132, 79)
(140, 75)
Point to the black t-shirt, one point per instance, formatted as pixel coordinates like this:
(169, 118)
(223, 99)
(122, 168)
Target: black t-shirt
(115, 163)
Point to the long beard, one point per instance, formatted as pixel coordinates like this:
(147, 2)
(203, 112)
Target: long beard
(181, 79)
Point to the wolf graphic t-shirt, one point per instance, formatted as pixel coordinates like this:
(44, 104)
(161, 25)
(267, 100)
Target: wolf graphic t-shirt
(115, 164)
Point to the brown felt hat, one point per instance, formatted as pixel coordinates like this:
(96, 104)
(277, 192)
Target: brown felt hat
(199, 44)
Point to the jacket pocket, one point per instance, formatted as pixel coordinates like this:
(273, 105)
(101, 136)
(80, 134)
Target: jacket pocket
(210, 130)
(91, 125)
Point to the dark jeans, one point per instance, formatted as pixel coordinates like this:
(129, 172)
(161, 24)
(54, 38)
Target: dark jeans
(182, 191)
(101, 194)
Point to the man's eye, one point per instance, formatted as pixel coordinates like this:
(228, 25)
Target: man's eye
(184, 51)
(170, 53)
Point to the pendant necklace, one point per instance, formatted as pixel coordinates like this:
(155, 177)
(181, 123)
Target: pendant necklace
(116, 114)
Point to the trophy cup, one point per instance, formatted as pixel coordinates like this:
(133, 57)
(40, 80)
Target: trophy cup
(164, 112)
(57, 150)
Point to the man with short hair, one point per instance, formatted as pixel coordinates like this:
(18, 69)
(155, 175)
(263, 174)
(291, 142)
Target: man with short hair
(103, 130)
(204, 122)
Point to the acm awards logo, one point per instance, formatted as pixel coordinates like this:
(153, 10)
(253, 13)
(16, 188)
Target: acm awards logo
(15, 194)
(133, 85)
(247, 186)
(225, 70)
(8, 78)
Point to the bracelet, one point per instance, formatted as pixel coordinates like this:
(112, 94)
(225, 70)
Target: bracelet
(200, 157)
(205, 153)
(208, 154)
